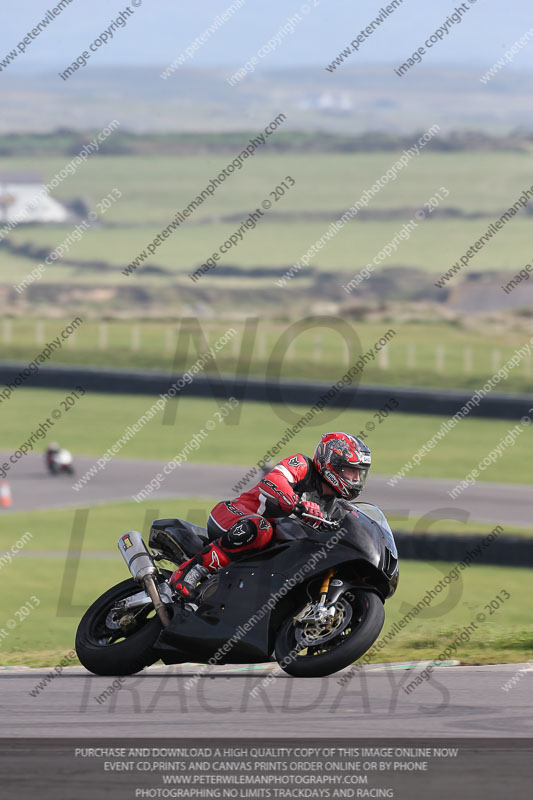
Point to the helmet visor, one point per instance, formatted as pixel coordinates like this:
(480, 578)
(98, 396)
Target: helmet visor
(354, 476)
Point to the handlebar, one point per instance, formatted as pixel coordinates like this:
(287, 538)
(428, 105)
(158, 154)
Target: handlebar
(332, 524)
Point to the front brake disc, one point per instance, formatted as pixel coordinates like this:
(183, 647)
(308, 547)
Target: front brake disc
(311, 633)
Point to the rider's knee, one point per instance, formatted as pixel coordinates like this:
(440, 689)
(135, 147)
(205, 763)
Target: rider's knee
(247, 533)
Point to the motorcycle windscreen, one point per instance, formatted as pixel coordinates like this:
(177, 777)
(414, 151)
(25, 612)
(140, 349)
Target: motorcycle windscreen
(375, 513)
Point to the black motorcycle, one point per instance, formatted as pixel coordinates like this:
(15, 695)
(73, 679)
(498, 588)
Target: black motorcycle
(312, 600)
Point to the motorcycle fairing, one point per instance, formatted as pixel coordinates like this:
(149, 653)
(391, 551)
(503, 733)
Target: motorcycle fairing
(237, 599)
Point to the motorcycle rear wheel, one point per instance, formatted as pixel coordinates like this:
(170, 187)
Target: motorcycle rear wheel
(103, 648)
(362, 630)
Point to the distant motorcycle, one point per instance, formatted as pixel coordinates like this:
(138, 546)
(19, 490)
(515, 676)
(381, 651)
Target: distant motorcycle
(59, 461)
(313, 599)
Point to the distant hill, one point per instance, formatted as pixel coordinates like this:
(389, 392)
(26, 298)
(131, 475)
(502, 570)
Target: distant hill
(352, 100)
(69, 142)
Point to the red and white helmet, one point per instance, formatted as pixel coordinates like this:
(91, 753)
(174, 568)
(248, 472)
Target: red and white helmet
(343, 461)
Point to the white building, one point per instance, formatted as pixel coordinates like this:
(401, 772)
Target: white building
(22, 200)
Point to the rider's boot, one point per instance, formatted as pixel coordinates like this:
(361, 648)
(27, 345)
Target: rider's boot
(188, 578)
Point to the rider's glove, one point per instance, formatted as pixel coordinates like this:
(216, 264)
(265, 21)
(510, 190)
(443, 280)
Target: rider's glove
(307, 507)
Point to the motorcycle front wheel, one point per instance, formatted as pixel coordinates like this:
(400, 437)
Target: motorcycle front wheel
(313, 649)
(109, 642)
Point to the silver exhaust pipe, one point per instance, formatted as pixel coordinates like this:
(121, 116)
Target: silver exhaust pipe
(143, 569)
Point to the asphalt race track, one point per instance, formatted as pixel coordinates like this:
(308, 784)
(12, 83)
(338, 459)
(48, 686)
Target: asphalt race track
(33, 489)
(455, 702)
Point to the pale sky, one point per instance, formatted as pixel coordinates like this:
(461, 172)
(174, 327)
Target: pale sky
(159, 30)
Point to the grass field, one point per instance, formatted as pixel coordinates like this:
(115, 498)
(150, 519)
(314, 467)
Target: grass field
(96, 422)
(44, 636)
(469, 358)
(434, 247)
(153, 189)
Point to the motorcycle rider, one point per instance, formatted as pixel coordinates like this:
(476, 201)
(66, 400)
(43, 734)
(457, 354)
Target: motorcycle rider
(297, 484)
(50, 453)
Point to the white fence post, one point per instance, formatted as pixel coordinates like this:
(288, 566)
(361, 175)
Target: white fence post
(440, 355)
(467, 359)
(261, 345)
(169, 339)
(411, 355)
(103, 336)
(135, 337)
(383, 357)
(7, 330)
(317, 348)
(289, 356)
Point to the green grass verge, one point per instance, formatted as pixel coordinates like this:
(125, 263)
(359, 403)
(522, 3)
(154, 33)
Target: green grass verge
(97, 421)
(47, 633)
(317, 352)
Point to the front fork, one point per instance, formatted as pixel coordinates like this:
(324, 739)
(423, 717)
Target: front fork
(318, 612)
(321, 609)
(330, 592)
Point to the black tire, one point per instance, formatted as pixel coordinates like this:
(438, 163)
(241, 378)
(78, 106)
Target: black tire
(343, 651)
(127, 656)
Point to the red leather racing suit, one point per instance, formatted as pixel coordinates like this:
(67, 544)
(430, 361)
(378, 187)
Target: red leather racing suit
(245, 523)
